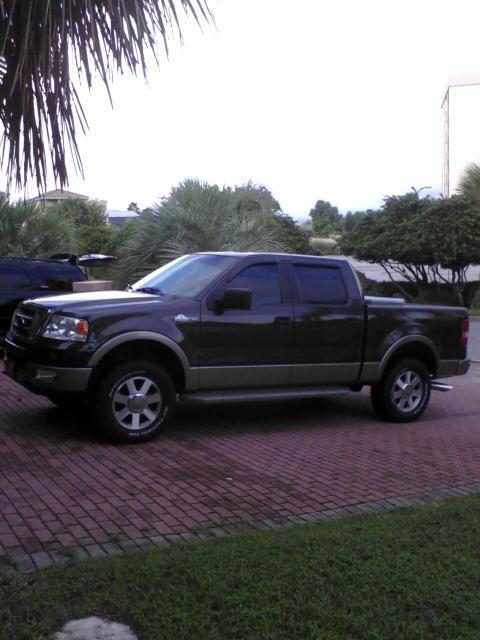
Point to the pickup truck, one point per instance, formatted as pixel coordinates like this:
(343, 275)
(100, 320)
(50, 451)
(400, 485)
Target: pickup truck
(231, 327)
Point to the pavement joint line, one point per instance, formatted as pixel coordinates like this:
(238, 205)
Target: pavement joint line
(25, 563)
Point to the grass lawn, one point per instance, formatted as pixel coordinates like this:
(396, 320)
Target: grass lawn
(411, 573)
(474, 312)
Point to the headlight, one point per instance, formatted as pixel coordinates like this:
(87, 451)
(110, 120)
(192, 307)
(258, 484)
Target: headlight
(63, 328)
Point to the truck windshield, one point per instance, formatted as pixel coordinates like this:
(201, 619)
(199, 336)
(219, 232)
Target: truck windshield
(186, 276)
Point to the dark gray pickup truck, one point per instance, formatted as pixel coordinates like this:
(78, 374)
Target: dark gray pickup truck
(229, 327)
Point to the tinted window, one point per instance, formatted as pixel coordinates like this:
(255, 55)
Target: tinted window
(321, 285)
(263, 281)
(12, 276)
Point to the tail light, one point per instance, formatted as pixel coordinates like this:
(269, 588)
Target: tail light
(465, 330)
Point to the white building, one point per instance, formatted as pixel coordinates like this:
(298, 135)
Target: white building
(461, 133)
(120, 217)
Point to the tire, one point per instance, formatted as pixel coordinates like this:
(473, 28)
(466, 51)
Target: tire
(387, 398)
(135, 402)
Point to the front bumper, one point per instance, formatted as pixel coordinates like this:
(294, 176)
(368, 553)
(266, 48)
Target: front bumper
(40, 378)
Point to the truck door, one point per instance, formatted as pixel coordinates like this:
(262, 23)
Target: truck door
(242, 348)
(328, 323)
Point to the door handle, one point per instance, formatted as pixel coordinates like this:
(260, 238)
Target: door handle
(283, 322)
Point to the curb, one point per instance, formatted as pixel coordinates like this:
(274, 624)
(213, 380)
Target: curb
(29, 562)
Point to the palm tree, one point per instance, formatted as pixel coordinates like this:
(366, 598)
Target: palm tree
(469, 184)
(26, 229)
(40, 42)
(200, 217)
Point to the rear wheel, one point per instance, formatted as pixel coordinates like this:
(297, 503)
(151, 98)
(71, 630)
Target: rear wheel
(403, 393)
(135, 402)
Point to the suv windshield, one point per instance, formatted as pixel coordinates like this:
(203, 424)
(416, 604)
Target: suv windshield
(186, 276)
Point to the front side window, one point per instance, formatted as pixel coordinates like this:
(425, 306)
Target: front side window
(263, 281)
(320, 285)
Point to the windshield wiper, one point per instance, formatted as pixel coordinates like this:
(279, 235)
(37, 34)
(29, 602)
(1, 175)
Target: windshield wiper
(153, 290)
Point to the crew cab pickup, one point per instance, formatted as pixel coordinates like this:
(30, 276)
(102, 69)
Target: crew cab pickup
(230, 327)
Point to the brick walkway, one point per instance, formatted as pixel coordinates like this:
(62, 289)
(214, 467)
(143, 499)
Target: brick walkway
(64, 491)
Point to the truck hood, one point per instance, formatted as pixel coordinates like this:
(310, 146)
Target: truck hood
(95, 300)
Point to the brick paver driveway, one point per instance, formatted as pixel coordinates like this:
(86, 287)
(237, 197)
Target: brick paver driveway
(62, 487)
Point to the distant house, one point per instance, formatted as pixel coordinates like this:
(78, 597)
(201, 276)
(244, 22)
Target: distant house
(305, 224)
(57, 195)
(120, 217)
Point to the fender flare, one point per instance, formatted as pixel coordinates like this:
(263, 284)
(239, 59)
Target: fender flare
(391, 351)
(132, 336)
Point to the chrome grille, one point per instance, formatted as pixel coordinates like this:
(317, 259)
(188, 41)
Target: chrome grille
(27, 321)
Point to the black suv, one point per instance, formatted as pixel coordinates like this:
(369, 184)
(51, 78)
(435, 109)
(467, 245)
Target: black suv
(22, 278)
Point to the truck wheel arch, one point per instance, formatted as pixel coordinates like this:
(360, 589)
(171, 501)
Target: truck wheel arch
(170, 354)
(415, 346)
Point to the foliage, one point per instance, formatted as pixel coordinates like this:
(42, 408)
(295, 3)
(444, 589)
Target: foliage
(41, 41)
(326, 219)
(257, 198)
(425, 241)
(81, 212)
(352, 219)
(98, 239)
(476, 300)
(295, 239)
(201, 217)
(469, 185)
(27, 229)
(133, 206)
(92, 231)
(399, 575)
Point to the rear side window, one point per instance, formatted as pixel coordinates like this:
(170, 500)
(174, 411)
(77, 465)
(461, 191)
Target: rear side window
(263, 281)
(12, 276)
(320, 285)
(58, 277)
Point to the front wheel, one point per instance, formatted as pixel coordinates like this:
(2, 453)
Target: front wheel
(403, 394)
(135, 402)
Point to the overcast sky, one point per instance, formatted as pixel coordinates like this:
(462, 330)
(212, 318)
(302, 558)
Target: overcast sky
(317, 99)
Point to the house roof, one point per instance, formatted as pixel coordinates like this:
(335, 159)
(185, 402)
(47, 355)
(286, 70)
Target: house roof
(59, 194)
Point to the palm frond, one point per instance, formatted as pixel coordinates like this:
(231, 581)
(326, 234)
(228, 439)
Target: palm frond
(199, 217)
(27, 229)
(469, 184)
(39, 107)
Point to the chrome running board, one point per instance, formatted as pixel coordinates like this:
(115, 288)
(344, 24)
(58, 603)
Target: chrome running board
(441, 386)
(251, 395)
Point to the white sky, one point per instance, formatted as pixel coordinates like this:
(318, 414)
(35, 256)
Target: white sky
(317, 99)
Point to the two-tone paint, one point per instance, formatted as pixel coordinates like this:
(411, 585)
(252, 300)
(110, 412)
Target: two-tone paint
(291, 344)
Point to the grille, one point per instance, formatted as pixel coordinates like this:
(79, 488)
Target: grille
(26, 322)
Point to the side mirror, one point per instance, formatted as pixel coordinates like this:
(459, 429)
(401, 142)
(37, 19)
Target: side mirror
(234, 299)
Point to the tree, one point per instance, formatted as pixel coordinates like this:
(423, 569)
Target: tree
(199, 217)
(427, 242)
(81, 212)
(41, 41)
(27, 229)
(352, 219)
(133, 206)
(326, 219)
(252, 197)
(92, 231)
